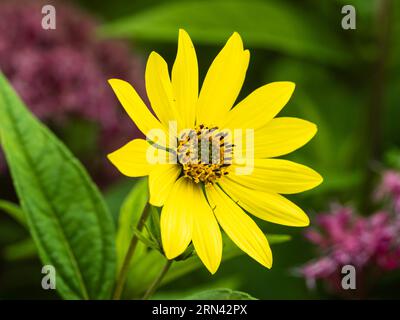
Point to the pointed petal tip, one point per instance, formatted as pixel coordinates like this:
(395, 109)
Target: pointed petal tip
(110, 157)
(153, 55)
(111, 80)
(289, 84)
(304, 222)
(182, 32)
(235, 38)
(264, 260)
(212, 269)
(169, 254)
(316, 180)
(236, 35)
(320, 179)
(312, 128)
(114, 82)
(113, 158)
(268, 262)
(155, 202)
(184, 39)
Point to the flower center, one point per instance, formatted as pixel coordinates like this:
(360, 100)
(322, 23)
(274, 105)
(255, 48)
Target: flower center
(204, 153)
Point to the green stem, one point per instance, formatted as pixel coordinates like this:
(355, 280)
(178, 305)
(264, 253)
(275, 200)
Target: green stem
(153, 287)
(131, 250)
(377, 105)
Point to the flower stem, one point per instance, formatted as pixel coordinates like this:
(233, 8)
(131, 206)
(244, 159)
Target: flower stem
(131, 250)
(153, 287)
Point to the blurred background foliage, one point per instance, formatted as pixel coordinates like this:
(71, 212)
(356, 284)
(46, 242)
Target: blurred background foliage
(347, 82)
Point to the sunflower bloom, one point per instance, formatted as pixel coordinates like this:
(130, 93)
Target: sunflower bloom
(208, 187)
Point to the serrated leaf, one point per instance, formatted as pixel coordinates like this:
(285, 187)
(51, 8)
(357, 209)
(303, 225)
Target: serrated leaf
(65, 212)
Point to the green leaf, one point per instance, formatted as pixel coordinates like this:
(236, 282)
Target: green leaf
(267, 25)
(231, 251)
(65, 212)
(148, 242)
(131, 210)
(148, 265)
(392, 158)
(24, 249)
(154, 225)
(221, 294)
(116, 194)
(233, 282)
(13, 211)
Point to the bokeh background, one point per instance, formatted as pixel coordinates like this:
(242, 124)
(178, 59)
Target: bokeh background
(347, 81)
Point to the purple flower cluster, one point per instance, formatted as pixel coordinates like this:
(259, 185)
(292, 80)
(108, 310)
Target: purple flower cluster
(62, 74)
(370, 244)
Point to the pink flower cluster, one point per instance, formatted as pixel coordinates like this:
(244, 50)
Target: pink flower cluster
(389, 189)
(62, 74)
(367, 243)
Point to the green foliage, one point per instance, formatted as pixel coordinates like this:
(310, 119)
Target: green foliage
(64, 210)
(13, 211)
(149, 264)
(268, 25)
(131, 210)
(221, 294)
(24, 249)
(392, 158)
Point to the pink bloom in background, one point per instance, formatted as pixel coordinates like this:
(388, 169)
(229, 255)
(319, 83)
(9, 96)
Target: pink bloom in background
(62, 74)
(389, 188)
(344, 238)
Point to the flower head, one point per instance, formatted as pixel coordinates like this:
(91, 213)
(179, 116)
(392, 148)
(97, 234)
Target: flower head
(208, 162)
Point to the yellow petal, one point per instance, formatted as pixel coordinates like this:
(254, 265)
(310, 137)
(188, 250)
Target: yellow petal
(281, 136)
(243, 231)
(185, 80)
(176, 219)
(206, 237)
(134, 106)
(223, 82)
(161, 180)
(159, 89)
(260, 106)
(267, 206)
(131, 160)
(278, 176)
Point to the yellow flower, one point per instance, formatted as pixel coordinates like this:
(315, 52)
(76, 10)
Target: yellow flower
(198, 197)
